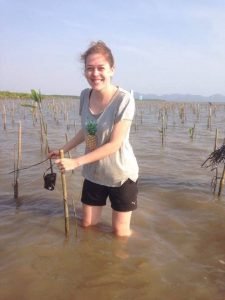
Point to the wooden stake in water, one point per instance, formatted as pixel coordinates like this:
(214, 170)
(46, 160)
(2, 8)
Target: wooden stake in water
(4, 117)
(209, 117)
(221, 181)
(216, 138)
(19, 151)
(66, 210)
(216, 176)
(15, 182)
(163, 130)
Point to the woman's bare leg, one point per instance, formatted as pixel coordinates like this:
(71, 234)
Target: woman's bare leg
(91, 215)
(121, 223)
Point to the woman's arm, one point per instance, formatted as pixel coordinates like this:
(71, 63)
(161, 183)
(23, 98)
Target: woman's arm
(119, 133)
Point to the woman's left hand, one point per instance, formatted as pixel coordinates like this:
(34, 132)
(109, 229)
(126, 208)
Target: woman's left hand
(66, 164)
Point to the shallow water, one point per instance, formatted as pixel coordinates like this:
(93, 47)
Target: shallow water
(177, 250)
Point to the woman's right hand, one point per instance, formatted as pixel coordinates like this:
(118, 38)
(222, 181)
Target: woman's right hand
(53, 154)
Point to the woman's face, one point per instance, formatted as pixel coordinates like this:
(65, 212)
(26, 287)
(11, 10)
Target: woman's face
(98, 71)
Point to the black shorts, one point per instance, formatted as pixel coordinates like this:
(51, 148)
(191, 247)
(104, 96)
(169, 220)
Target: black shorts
(123, 198)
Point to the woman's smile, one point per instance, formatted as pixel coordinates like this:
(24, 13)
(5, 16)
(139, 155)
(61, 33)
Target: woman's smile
(98, 71)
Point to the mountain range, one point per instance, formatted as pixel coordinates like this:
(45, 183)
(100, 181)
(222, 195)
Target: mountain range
(181, 97)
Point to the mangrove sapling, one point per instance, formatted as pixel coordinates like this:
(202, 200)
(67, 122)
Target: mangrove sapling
(37, 98)
(192, 132)
(34, 116)
(214, 184)
(216, 158)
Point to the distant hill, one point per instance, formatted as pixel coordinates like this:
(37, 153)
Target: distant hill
(180, 97)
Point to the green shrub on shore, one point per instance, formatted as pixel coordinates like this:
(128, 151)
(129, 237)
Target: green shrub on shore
(17, 95)
(14, 95)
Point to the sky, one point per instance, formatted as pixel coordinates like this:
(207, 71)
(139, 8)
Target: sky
(160, 46)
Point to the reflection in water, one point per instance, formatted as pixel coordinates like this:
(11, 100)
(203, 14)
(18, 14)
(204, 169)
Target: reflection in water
(177, 250)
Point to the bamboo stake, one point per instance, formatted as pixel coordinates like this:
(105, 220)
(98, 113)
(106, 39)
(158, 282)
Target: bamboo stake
(216, 178)
(19, 144)
(67, 121)
(19, 150)
(163, 128)
(216, 137)
(209, 117)
(15, 182)
(4, 117)
(66, 210)
(221, 181)
(13, 112)
(198, 111)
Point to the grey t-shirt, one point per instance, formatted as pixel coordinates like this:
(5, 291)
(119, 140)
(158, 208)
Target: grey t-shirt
(114, 169)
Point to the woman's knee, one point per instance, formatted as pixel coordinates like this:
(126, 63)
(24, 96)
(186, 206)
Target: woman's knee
(91, 215)
(121, 223)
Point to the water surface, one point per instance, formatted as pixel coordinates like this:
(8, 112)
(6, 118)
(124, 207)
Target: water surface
(177, 250)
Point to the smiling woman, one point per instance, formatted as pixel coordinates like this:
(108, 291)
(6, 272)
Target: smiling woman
(110, 169)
